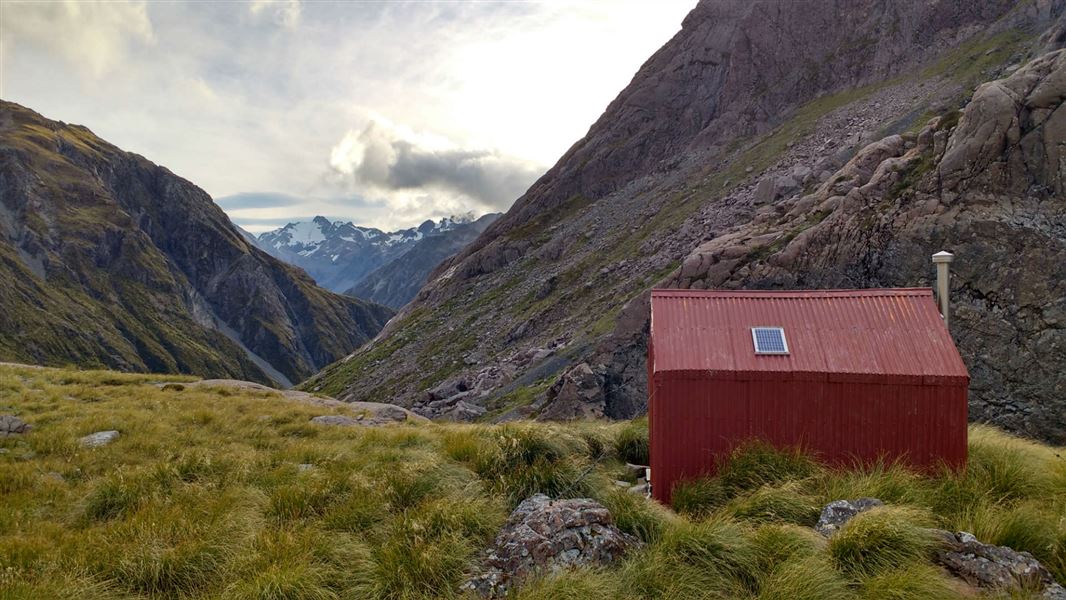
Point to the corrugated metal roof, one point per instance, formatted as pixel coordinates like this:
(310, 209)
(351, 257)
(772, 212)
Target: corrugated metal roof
(835, 334)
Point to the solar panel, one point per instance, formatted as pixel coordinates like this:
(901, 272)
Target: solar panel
(769, 340)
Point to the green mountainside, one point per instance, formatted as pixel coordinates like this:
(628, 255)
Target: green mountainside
(111, 261)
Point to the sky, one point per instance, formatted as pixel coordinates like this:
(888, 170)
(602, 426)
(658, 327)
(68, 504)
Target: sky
(382, 113)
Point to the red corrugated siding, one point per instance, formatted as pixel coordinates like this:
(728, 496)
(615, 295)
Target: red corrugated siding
(840, 394)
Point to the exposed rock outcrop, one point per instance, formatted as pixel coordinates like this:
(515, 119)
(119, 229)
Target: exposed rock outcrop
(543, 536)
(995, 567)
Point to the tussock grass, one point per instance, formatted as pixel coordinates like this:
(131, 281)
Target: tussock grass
(237, 495)
(631, 442)
(699, 497)
(882, 539)
(786, 503)
(808, 578)
(777, 544)
(916, 582)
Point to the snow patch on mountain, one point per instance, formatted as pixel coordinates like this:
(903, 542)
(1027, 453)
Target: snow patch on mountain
(338, 254)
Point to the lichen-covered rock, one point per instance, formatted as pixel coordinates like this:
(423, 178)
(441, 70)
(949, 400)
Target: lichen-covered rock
(995, 567)
(544, 535)
(100, 438)
(12, 425)
(837, 513)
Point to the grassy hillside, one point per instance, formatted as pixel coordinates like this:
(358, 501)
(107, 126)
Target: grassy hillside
(205, 495)
(111, 261)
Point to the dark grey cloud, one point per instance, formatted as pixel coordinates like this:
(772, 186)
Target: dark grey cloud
(381, 158)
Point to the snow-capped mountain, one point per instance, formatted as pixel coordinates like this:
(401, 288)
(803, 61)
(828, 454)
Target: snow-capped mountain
(339, 254)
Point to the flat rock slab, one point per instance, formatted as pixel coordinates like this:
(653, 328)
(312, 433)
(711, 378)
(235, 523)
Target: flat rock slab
(543, 536)
(12, 425)
(837, 513)
(100, 438)
(335, 420)
(369, 413)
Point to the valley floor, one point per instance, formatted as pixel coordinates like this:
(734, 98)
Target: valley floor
(217, 492)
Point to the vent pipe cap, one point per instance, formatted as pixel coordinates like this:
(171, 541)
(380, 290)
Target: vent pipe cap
(943, 257)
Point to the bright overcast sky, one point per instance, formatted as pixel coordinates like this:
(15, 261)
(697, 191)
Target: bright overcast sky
(384, 113)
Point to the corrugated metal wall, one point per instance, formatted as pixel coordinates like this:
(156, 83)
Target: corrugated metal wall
(694, 421)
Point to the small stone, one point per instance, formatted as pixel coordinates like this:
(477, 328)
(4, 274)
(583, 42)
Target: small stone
(304, 467)
(836, 514)
(100, 438)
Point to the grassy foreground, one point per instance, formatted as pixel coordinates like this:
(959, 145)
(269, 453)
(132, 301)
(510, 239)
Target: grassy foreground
(207, 495)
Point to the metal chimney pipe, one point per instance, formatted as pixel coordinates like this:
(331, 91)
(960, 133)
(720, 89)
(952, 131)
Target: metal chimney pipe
(942, 259)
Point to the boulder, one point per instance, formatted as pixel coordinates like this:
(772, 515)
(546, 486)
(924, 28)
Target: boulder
(837, 513)
(370, 414)
(995, 567)
(446, 389)
(12, 425)
(464, 411)
(100, 438)
(577, 394)
(544, 536)
(772, 188)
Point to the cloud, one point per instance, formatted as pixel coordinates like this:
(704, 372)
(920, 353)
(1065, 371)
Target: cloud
(248, 200)
(284, 12)
(95, 36)
(254, 95)
(385, 159)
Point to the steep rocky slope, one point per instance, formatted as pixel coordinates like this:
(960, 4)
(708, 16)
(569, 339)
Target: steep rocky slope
(338, 254)
(110, 260)
(724, 137)
(396, 282)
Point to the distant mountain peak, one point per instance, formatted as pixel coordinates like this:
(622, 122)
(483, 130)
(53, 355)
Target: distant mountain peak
(338, 253)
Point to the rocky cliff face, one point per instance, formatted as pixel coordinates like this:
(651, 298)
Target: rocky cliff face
(396, 282)
(986, 182)
(728, 161)
(109, 260)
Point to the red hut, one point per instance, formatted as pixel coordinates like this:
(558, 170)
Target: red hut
(844, 374)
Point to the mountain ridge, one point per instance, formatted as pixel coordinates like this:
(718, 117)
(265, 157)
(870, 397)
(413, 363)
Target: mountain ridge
(548, 300)
(117, 262)
(396, 282)
(339, 254)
